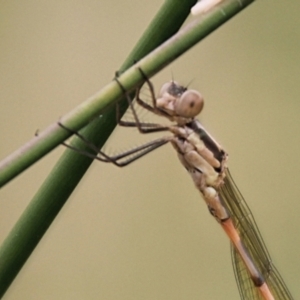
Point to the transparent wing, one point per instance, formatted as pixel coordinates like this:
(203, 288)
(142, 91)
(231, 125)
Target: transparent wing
(251, 237)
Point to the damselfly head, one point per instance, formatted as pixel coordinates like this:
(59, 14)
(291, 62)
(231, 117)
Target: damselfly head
(181, 101)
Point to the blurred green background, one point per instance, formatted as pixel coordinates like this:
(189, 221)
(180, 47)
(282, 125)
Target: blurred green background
(143, 232)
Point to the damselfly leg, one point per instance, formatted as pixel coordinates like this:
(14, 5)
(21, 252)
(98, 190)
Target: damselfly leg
(142, 127)
(127, 157)
(120, 160)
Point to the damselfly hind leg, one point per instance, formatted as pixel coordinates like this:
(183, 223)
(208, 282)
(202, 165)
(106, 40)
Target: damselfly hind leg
(120, 160)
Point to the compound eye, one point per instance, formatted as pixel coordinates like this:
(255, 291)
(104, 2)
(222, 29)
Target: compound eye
(189, 104)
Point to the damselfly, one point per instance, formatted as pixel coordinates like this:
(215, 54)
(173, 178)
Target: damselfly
(206, 162)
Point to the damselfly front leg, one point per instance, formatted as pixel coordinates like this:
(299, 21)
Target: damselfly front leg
(142, 127)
